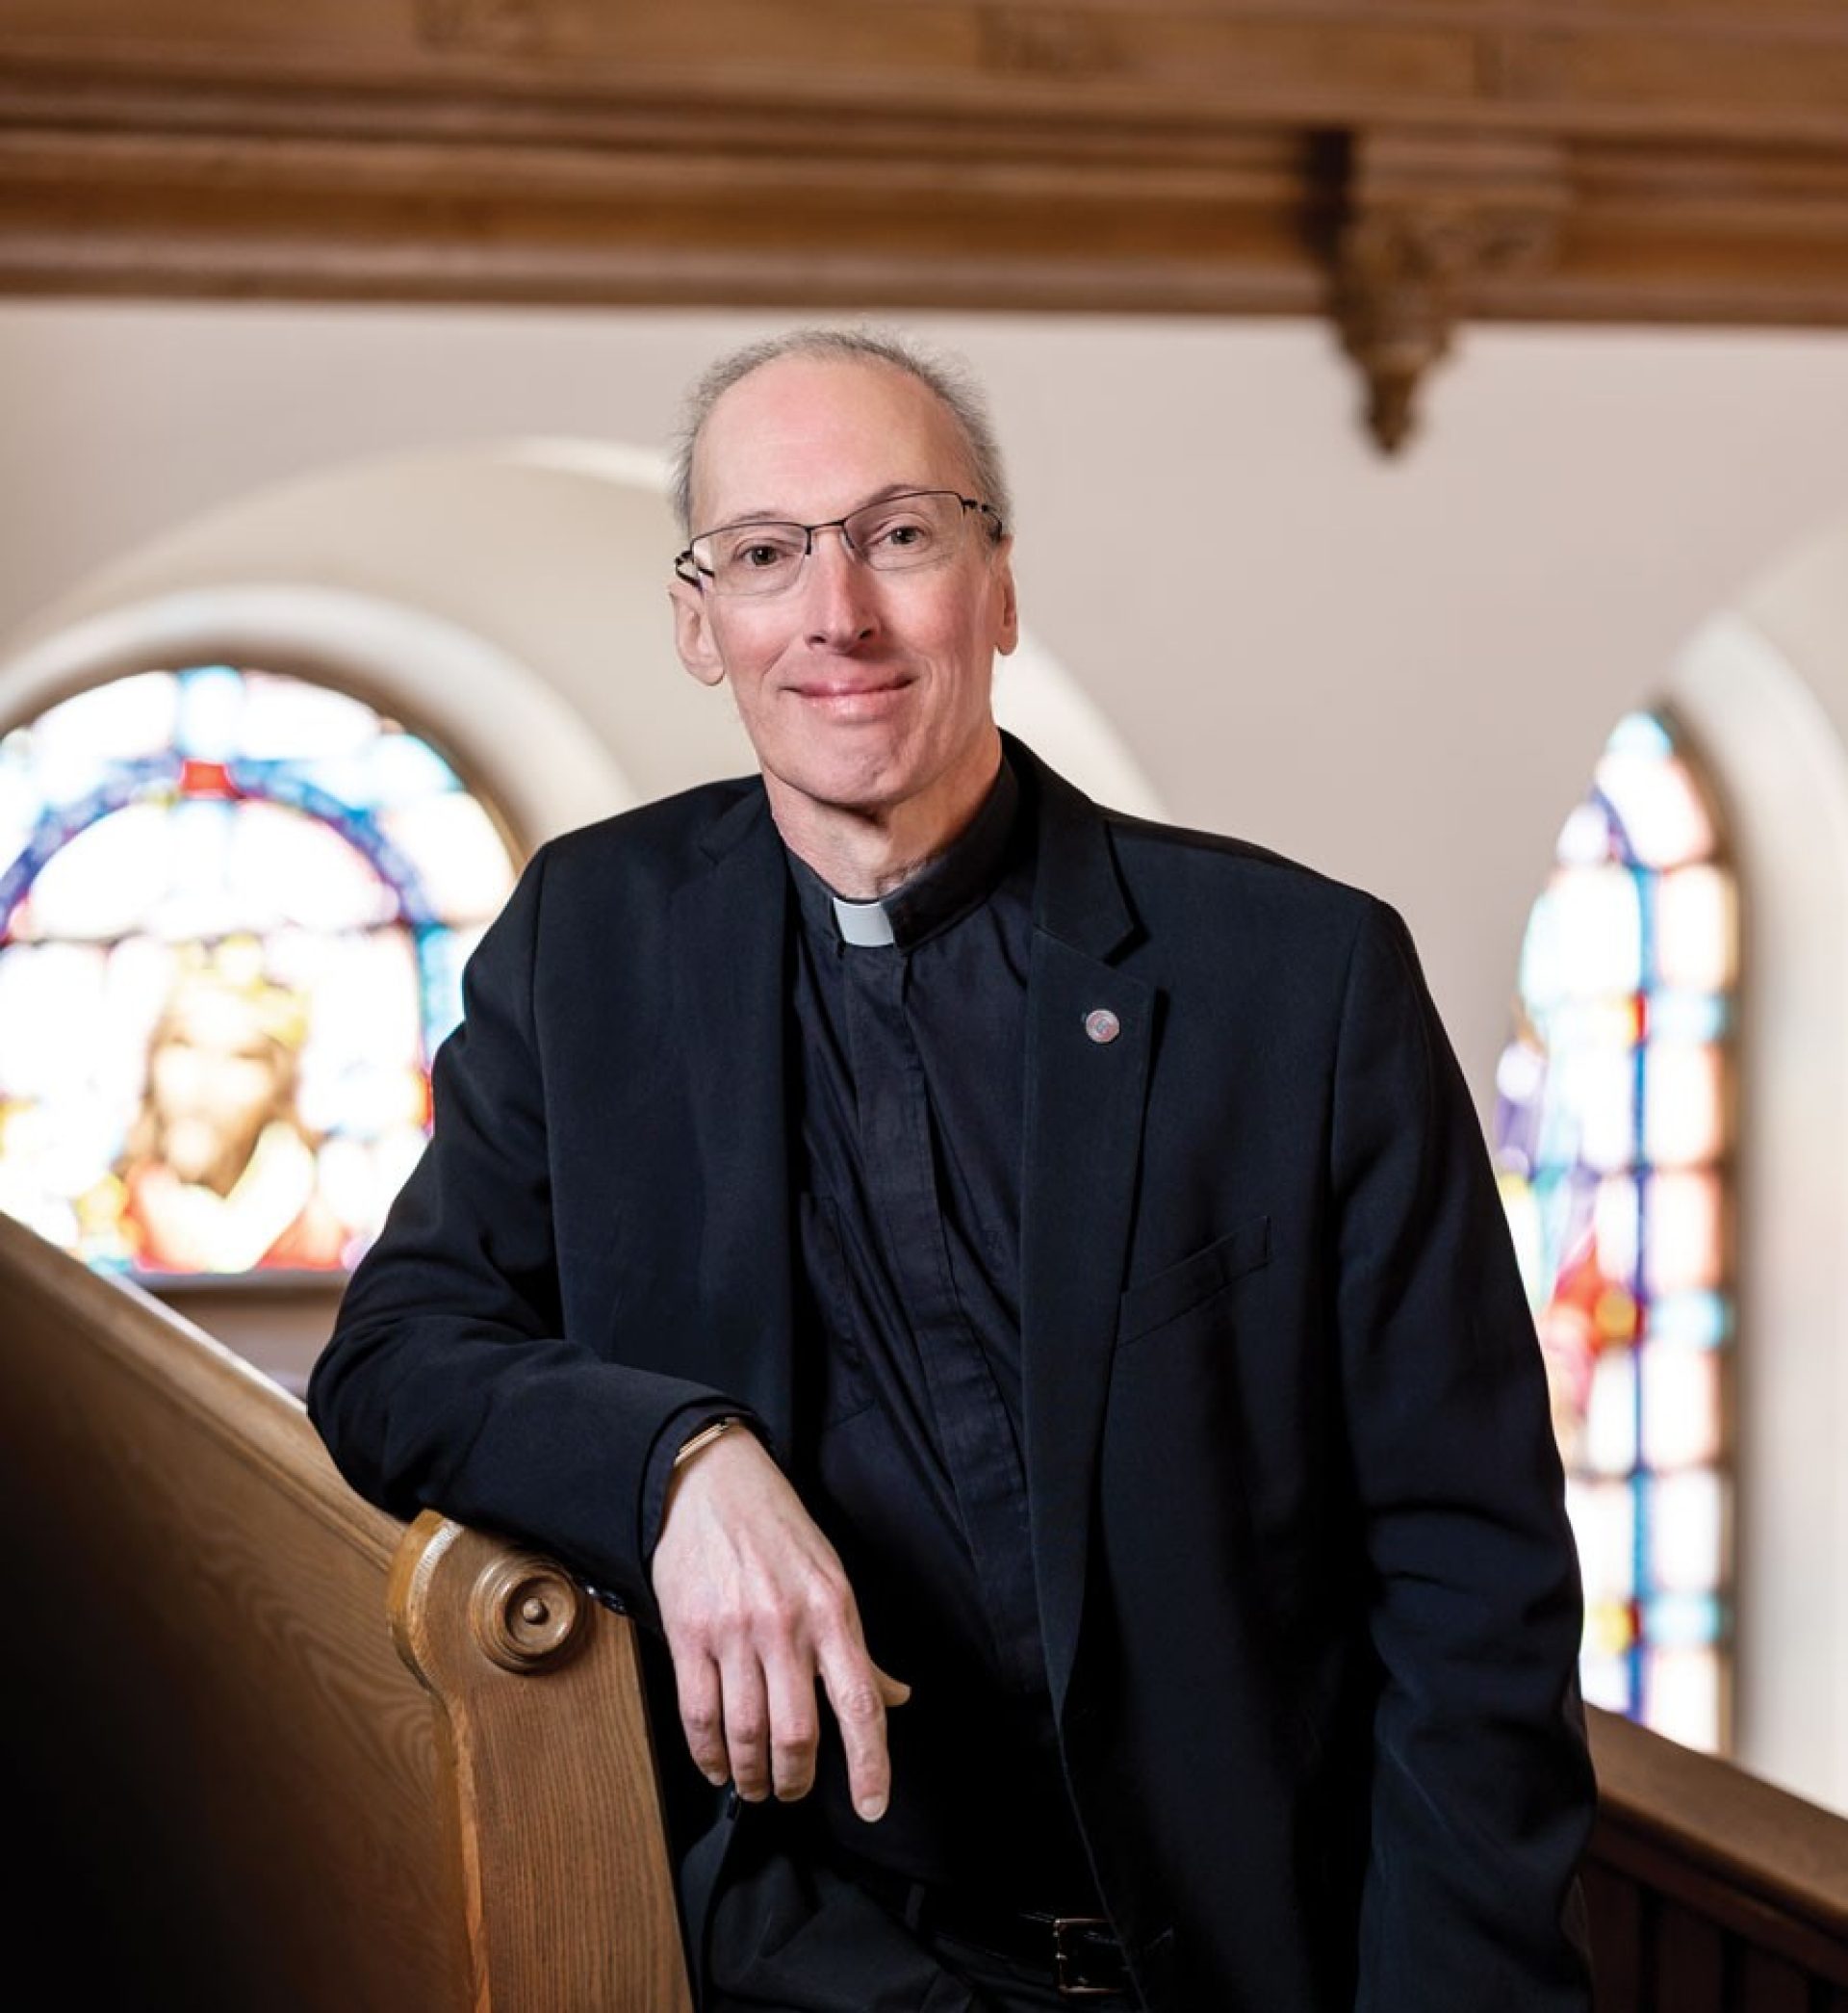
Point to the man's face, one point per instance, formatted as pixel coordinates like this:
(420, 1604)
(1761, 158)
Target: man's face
(862, 691)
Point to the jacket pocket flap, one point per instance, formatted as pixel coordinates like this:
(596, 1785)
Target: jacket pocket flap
(1149, 1302)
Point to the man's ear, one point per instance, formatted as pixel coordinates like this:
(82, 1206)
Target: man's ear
(1008, 626)
(693, 635)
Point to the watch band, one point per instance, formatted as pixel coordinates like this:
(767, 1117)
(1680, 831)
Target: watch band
(705, 1437)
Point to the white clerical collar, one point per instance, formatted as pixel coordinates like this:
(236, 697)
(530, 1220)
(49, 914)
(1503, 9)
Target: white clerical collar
(865, 923)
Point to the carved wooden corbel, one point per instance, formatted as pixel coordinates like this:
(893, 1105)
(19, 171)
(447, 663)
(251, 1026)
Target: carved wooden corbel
(1428, 217)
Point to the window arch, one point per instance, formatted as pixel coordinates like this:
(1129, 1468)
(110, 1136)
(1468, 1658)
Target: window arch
(1612, 1130)
(234, 910)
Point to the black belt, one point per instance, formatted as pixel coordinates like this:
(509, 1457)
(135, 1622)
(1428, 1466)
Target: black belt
(1078, 1954)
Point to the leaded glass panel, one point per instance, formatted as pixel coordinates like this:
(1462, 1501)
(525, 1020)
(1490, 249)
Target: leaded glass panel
(234, 910)
(1611, 1142)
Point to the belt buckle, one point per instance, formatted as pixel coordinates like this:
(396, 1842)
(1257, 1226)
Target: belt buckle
(1068, 1964)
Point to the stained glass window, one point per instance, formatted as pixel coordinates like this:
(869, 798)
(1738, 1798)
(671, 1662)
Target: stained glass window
(1611, 1138)
(234, 910)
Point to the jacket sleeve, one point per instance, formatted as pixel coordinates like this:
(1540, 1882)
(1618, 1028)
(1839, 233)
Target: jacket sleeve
(448, 1383)
(1482, 1791)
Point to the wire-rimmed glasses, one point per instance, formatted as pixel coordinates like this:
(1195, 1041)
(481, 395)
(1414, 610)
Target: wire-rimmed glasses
(891, 534)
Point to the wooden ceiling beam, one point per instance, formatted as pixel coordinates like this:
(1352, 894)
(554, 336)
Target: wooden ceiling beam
(1401, 167)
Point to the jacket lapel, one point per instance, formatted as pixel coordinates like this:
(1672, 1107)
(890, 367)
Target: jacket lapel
(1084, 1122)
(731, 991)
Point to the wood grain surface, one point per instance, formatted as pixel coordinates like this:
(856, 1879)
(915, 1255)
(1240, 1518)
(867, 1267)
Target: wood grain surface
(1198, 155)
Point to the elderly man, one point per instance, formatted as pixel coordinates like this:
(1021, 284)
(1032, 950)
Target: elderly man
(1015, 1294)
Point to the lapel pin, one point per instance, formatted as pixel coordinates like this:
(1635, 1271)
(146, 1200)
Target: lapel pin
(1102, 1025)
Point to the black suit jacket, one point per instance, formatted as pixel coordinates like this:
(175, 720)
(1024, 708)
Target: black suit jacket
(1307, 1590)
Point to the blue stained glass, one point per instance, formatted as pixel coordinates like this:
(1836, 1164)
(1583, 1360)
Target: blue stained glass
(1699, 1320)
(1690, 1016)
(441, 955)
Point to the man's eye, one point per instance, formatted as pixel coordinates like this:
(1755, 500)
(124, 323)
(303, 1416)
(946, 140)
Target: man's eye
(761, 554)
(900, 534)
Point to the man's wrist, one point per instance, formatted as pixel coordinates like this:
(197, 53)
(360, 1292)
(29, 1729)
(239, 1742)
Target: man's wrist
(675, 1434)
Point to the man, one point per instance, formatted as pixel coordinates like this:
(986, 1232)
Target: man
(1015, 1294)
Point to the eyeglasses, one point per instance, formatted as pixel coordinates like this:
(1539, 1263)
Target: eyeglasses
(897, 534)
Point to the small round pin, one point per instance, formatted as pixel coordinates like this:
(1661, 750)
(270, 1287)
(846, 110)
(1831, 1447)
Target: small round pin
(1102, 1025)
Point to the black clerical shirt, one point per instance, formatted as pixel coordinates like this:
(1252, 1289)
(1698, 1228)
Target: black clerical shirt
(906, 1085)
(909, 1090)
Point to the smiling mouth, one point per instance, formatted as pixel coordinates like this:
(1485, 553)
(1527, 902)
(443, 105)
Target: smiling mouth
(847, 696)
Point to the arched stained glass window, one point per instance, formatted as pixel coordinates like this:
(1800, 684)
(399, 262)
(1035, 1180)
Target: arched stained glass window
(1613, 1115)
(234, 910)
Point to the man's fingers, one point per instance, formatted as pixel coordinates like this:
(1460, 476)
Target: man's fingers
(695, 1679)
(859, 1691)
(747, 1724)
(795, 1725)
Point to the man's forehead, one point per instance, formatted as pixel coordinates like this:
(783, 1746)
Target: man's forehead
(811, 432)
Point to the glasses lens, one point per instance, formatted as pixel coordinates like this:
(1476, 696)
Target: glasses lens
(752, 558)
(906, 531)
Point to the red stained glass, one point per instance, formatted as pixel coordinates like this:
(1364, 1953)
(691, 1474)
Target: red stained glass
(206, 779)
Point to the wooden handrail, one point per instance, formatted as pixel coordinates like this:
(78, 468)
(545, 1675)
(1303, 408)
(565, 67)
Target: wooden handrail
(1710, 1888)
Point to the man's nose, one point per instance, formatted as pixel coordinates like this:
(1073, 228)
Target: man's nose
(842, 597)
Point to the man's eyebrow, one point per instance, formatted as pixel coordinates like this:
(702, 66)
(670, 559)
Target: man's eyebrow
(770, 516)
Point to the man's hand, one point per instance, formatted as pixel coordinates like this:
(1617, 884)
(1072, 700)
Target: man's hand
(757, 1607)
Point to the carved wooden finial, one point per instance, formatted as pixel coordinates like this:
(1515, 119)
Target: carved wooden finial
(524, 1612)
(1430, 216)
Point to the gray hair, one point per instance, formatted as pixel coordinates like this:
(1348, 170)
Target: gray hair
(948, 377)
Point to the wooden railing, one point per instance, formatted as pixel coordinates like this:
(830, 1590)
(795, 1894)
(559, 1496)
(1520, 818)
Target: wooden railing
(269, 1748)
(1709, 1891)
